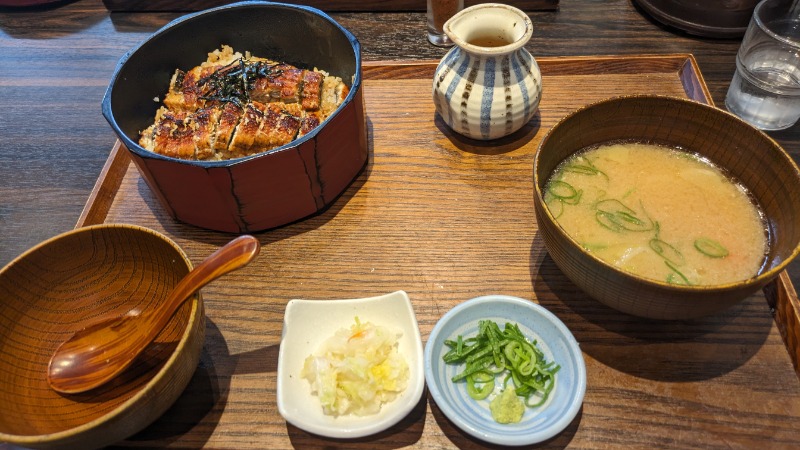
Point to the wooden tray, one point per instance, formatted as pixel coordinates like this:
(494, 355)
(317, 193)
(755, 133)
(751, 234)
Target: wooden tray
(325, 5)
(447, 219)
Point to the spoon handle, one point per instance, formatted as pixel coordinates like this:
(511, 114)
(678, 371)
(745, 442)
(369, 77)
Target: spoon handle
(233, 255)
(99, 352)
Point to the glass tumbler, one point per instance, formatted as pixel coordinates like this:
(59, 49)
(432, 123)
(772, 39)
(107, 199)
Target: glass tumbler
(439, 11)
(765, 90)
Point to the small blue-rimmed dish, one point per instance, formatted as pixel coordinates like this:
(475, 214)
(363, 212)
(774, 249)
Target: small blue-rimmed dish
(307, 324)
(474, 416)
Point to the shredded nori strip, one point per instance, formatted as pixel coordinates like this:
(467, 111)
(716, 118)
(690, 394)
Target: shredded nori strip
(233, 83)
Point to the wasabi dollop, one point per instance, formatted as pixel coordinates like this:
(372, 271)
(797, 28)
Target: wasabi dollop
(507, 407)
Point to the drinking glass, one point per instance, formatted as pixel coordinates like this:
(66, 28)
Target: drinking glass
(765, 90)
(438, 13)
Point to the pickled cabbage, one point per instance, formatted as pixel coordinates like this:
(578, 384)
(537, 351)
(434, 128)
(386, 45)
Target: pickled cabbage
(357, 370)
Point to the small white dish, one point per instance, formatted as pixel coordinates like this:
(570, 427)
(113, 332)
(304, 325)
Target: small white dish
(307, 323)
(537, 323)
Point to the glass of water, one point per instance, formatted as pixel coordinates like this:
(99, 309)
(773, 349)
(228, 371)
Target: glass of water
(439, 11)
(765, 90)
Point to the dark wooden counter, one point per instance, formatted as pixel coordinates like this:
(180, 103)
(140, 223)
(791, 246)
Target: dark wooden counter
(55, 64)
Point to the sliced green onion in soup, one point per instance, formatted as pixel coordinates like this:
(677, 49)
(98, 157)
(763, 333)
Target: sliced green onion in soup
(710, 248)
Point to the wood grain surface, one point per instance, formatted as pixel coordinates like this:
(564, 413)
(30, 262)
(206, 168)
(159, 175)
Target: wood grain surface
(448, 219)
(677, 386)
(325, 5)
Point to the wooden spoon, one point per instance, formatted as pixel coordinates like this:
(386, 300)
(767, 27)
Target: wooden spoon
(99, 352)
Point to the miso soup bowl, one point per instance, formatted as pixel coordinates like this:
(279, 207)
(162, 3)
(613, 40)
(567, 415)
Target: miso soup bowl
(260, 191)
(746, 153)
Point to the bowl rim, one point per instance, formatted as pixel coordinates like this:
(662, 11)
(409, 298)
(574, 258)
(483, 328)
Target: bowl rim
(146, 389)
(469, 13)
(755, 281)
(134, 147)
(540, 311)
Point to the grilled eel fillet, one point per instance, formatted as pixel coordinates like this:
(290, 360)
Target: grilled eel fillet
(208, 114)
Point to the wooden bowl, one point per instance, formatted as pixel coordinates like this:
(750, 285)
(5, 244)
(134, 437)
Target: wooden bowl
(265, 190)
(749, 155)
(61, 285)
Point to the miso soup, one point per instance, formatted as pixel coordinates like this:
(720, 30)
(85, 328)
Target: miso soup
(658, 212)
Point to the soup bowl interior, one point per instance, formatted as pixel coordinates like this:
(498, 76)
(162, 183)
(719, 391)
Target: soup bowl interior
(743, 152)
(66, 283)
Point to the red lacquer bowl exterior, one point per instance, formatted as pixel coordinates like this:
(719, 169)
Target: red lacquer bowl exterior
(261, 191)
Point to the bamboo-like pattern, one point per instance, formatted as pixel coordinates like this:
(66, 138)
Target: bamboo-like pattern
(466, 87)
(488, 89)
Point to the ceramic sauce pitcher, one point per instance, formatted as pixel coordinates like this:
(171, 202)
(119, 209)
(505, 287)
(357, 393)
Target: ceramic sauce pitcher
(488, 85)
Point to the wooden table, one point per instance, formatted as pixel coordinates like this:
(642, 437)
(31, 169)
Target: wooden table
(647, 378)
